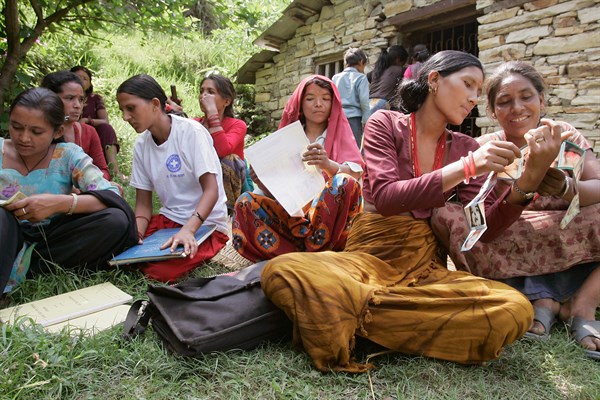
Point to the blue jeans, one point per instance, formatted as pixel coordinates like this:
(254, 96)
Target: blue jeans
(357, 129)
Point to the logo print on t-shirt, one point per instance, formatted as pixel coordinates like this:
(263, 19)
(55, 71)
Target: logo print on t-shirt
(173, 163)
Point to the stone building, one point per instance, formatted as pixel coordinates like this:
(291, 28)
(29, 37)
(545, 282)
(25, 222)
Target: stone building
(561, 38)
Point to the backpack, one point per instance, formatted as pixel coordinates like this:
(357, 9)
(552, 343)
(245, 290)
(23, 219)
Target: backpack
(202, 315)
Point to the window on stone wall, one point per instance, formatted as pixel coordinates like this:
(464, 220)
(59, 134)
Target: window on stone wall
(329, 68)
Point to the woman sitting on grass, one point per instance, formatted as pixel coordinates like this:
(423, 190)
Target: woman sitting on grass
(262, 229)
(175, 157)
(217, 95)
(69, 88)
(53, 226)
(557, 269)
(94, 114)
(389, 284)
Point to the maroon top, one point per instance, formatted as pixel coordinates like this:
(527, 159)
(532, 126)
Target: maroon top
(93, 103)
(385, 87)
(390, 185)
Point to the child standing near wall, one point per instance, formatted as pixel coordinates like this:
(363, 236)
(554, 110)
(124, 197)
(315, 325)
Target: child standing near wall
(353, 87)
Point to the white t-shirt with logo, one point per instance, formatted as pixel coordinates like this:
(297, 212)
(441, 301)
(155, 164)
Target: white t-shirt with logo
(173, 170)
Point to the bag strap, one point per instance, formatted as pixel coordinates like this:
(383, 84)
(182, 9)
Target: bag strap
(137, 319)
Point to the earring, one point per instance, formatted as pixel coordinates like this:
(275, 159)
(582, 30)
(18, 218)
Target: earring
(433, 89)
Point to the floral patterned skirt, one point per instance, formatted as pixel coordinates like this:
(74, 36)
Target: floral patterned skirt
(532, 245)
(262, 229)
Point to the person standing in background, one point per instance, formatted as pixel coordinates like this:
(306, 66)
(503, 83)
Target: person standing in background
(386, 76)
(419, 55)
(353, 87)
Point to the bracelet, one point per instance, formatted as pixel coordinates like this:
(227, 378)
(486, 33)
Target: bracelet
(197, 214)
(142, 217)
(73, 204)
(566, 189)
(213, 121)
(472, 169)
(466, 169)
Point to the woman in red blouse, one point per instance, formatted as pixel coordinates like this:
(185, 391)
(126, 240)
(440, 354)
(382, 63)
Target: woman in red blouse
(217, 95)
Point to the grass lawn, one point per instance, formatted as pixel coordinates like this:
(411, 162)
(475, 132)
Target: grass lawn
(39, 365)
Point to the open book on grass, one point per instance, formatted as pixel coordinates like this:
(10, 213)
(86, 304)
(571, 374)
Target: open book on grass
(96, 307)
(150, 250)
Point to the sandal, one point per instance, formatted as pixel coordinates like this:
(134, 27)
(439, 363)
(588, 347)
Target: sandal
(580, 328)
(547, 318)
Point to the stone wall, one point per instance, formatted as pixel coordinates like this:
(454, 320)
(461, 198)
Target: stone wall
(345, 23)
(562, 40)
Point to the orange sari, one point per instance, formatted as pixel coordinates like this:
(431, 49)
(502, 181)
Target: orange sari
(390, 287)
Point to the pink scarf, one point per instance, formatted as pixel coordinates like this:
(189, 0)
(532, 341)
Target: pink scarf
(340, 144)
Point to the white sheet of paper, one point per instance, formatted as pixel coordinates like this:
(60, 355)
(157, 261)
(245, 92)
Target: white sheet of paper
(277, 161)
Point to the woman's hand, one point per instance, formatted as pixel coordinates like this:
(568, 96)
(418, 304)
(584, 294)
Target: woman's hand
(494, 156)
(208, 104)
(185, 238)
(544, 145)
(38, 207)
(316, 155)
(553, 183)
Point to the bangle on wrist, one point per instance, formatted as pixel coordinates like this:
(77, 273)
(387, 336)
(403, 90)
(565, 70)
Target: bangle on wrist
(197, 215)
(213, 120)
(73, 204)
(466, 170)
(566, 188)
(526, 195)
(472, 169)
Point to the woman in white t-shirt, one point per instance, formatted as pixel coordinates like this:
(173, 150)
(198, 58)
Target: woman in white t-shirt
(175, 157)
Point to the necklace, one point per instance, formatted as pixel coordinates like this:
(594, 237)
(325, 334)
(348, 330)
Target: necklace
(439, 151)
(37, 163)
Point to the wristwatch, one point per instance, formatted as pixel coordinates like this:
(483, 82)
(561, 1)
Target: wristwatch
(525, 195)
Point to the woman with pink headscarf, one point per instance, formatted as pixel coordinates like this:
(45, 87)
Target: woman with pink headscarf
(262, 229)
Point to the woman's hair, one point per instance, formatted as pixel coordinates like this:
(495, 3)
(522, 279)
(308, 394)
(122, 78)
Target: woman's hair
(225, 89)
(413, 92)
(56, 80)
(420, 53)
(387, 58)
(319, 82)
(145, 87)
(508, 68)
(88, 73)
(44, 100)
(354, 56)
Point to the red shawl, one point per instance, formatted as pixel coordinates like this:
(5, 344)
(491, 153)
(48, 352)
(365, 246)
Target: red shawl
(340, 144)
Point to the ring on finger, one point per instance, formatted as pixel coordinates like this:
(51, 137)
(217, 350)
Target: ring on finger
(24, 211)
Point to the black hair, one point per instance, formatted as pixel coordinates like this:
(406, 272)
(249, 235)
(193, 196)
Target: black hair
(420, 53)
(319, 82)
(354, 56)
(145, 87)
(413, 92)
(56, 80)
(88, 73)
(44, 100)
(508, 68)
(388, 58)
(225, 89)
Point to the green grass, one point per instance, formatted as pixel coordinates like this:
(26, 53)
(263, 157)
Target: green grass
(40, 365)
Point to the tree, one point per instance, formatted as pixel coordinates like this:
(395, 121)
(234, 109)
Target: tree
(24, 23)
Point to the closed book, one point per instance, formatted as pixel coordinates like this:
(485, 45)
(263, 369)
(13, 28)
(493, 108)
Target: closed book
(150, 250)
